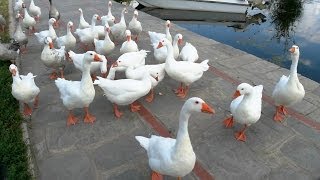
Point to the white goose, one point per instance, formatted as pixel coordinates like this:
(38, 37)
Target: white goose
(174, 157)
(82, 22)
(118, 30)
(182, 71)
(79, 94)
(24, 89)
(18, 6)
(129, 45)
(156, 37)
(160, 54)
(288, 90)
(47, 33)
(135, 25)
(20, 36)
(77, 60)
(135, 59)
(245, 108)
(109, 18)
(125, 91)
(156, 72)
(53, 58)
(28, 21)
(105, 46)
(87, 35)
(189, 53)
(35, 11)
(68, 40)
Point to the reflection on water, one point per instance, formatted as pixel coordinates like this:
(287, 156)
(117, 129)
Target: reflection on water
(266, 32)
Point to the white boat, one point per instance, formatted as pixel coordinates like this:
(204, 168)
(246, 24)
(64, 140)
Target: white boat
(230, 6)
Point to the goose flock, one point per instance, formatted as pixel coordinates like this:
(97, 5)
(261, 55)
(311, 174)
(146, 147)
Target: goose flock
(167, 156)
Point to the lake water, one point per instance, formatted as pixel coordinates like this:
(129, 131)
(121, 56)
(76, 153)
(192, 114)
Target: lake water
(267, 32)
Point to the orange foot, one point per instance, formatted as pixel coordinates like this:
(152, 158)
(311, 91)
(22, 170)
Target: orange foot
(240, 136)
(53, 75)
(36, 102)
(27, 111)
(182, 95)
(88, 118)
(283, 110)
(179, 90)
(156, 176)
(117, 113)
(72, 120)
(278, 117)
(228, 122)
(134, 108)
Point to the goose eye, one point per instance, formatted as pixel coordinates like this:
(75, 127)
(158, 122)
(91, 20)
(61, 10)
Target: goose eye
(91, 54)
(197, 102)
(242, 89)
(157, 73)
(119, 61)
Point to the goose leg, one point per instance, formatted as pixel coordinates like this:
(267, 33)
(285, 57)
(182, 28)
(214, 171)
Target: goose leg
(36, 102)
(88, 118)
(228, 122)
(278, 115)
(150, 96)
(134, 108)
(240, 136)
(179, 178)
(179, 89)
(72, 120)
(61, 73)
(27, 111)
(23, 50)
(184, 92)
(116, 111)
(156, 176)
(284, 110)
(93, 77)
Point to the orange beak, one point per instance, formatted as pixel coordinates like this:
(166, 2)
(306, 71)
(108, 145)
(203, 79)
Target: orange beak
(97, 58)
(180, 41)
(13, 72)
(207, 109)
(160, 45)
(115, 64)
(98, 18)
(71, 28)
(156, 78)
(292, 50)
(51, 45)
(236, 94)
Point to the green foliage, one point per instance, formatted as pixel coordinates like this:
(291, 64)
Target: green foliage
(5, 36)
(13, 156)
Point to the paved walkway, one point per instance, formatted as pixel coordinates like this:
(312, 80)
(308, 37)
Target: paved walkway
(107, 149)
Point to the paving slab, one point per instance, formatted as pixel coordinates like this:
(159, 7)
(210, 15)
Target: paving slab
(107, 149)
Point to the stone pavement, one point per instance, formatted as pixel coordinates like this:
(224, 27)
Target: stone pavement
(107, 149)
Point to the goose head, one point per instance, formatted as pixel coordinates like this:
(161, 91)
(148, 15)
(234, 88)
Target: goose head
(80, 10)
(243, 89)
(13, 69)
(178, 38)
(135, 14)
(48, 41)
(110, 4)
(168, 24)
(294, 50)
(107, 28)
(163, 42)
(91, 56)
(52, 21)
(70, 25)
(24, 5)
(196, 104)
(96, 17)
(128, 35)
(124, 10)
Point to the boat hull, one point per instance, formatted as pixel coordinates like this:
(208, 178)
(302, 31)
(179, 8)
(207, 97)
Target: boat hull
(231, 6)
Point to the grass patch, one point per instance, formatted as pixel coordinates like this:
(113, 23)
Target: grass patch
(5, 36)
(13, 151)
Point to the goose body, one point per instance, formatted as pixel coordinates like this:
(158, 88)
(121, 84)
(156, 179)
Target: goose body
(47, 33)
(189, 53)
(24, 88)
(28, 21)
(87, 35)
(129, 45)
(182, 71)
(82, 22)
(135, 59)
(105, 46)
(118, 30)
(34, 10)
(18, 6)
(288, 91)
(156, 37)
(135, 25)
(174, 157)
(79, 94)
(68, 40)
(160, 54)
(53, 12)
(109, 18)
(19, 35)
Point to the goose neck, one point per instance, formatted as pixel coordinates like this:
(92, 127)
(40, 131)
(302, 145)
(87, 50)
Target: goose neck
(294, 66)
(170, 51)
(183, 139)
